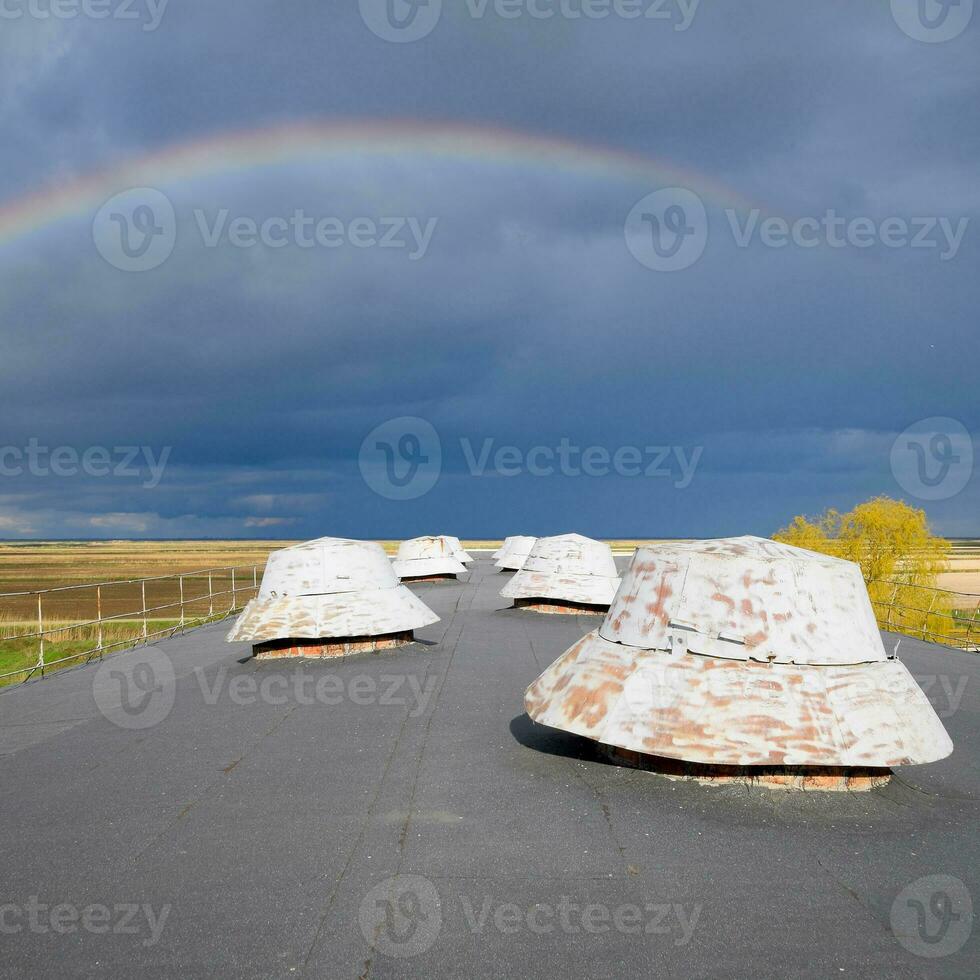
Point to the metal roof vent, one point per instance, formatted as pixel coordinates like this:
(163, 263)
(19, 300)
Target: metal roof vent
(514, 552)
(720, 656)
(459, 552)
(502, 547)
(567, 573)
(428, 558)
(328, 598)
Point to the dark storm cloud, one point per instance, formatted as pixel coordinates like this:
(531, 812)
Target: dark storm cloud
(527, 320)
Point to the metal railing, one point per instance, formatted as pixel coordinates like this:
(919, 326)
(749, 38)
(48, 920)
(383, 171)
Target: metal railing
(53, 614)
(929, 613)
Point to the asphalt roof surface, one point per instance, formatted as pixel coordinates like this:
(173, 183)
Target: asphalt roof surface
(398, 815)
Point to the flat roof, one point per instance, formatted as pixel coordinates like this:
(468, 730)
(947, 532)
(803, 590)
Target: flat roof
(398, 814)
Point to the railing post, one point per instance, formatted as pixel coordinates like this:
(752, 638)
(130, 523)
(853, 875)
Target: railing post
(891, 604)
(143, 584)
(925, 622)
(40, 633)
(181, 601)
(971, 624)
(98, 615)
(210, 596)
(232, 609)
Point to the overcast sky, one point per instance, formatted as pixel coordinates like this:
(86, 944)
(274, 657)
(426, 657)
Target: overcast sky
(492, 279)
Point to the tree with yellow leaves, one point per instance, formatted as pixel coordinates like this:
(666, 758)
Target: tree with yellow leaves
(900, 558)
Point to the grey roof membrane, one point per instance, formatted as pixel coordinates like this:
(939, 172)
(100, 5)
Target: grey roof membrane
(195, 812)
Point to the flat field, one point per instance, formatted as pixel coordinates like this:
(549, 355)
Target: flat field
(30, 565)
(37, 565)
(964, 567)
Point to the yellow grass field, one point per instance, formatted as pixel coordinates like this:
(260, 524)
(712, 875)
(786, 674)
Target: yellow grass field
(964, 568)
(30, 565)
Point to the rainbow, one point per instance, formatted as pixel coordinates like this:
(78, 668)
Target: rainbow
(312, 140)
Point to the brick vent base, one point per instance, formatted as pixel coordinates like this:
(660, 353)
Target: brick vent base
(339, 646)
(830, 779)
(561, 606)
